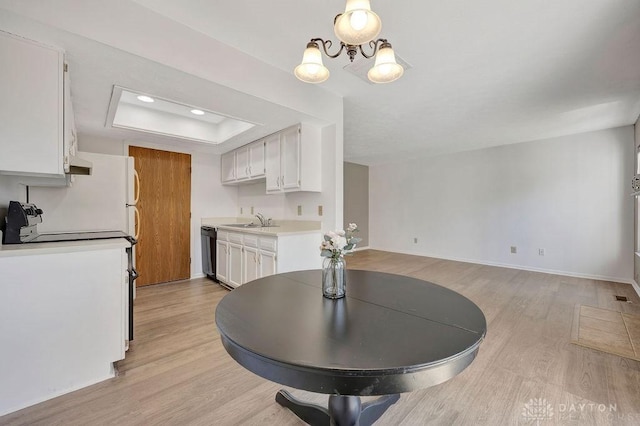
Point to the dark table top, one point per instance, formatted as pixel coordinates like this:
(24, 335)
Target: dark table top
(390, 334)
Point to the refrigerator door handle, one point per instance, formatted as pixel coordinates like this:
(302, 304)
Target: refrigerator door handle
(137, 222)
(133, 274)
(136, 187)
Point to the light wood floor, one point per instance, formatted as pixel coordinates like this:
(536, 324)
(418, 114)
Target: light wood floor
(177, 371)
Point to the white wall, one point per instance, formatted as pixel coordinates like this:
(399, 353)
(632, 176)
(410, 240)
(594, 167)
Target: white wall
(208, 197)
(10, 190)
(568, 195)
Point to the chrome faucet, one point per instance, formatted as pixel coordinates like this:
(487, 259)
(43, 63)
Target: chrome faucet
(263, 221)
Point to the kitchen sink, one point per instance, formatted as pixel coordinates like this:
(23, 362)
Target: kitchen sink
(248, 225)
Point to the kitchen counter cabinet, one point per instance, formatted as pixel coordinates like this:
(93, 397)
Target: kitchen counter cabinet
(62, 318)
(245, 256)
(259, 256)
(236, 265)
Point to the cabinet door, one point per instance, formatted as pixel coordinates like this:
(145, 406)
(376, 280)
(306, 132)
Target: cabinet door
(257, 159)
(222, 264)
(31, 107)
(242, 163)
(272, 163)
(235, 265)
(290, 159)
(251, 271)
(228, 166)
(70, 142)
(267, 263)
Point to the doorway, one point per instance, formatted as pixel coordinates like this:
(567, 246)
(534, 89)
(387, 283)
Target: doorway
(164, 241)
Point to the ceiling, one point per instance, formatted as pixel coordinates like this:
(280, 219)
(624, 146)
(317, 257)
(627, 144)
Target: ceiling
(483, 73)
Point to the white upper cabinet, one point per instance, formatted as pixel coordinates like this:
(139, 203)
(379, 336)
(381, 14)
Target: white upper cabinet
(70, 134)
(257, 159)
(289, 160)
(31, 107)
(228, 167)
(250, 161)
(272, 163)
(294, 160)
(242, 163)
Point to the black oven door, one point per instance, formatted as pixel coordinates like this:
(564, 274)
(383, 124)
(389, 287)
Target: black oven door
(133, 274)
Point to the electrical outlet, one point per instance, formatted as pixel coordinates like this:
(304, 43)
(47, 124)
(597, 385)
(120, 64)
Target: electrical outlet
(514, 249)
(415, 240)
(299, 210)
(541, 252)
(251, 209)
(319, 210)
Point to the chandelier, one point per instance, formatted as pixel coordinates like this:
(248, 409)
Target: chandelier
(357, 26)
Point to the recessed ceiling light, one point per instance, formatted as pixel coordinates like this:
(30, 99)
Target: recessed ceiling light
(144, 98)
(197, 112)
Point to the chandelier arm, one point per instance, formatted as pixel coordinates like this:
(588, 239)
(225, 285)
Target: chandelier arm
(327, 45)
(374, 45)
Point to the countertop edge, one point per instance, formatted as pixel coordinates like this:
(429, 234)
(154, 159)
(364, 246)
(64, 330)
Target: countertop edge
(30, 249)
(269, 231)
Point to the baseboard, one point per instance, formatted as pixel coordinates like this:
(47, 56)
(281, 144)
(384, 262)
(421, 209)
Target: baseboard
(522, 267)
(200, 275)
(636, 287)
(361, 248)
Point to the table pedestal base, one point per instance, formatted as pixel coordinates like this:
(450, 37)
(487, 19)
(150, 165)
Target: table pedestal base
(343, 410)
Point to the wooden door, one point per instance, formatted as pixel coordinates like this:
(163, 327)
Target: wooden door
(163, 249)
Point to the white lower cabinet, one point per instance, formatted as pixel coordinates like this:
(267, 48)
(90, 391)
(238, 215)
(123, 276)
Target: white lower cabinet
(260, 256)
(222, 257)
(236, 272)
(251, 257)
(229, 264)
(266, 263)
(62, 318)
(242, 257)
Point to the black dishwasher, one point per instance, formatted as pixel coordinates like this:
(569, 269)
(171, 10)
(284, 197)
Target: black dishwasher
(208, 235)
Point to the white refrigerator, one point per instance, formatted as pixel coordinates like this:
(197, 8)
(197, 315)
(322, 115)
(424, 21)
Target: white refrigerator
(102, 201)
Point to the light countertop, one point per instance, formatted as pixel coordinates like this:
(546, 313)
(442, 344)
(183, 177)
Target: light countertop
(284, 227)
(29, 249)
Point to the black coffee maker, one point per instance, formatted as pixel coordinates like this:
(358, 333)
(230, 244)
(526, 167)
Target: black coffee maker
(20, 224)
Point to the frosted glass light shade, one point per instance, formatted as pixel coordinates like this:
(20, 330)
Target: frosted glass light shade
(358, 24)
(312, 70)
(386, 69)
